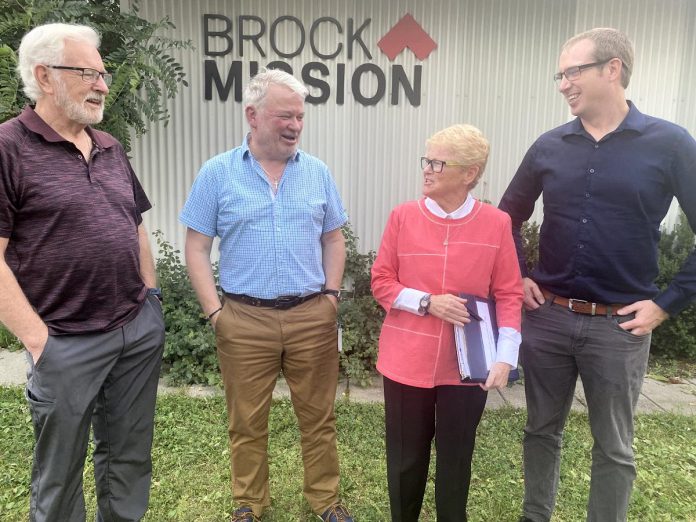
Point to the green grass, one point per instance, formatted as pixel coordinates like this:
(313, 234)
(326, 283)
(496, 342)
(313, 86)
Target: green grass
(671, 370)
(191, 465)
(9, 341)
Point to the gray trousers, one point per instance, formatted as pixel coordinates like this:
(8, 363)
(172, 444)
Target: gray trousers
(108, 380)
(557, 345)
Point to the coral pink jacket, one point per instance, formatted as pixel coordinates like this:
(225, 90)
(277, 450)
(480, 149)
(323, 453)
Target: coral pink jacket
(474, 254)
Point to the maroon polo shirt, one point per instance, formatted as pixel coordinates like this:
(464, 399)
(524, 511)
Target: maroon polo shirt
(72, 226)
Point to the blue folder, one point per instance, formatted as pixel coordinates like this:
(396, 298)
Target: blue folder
(476, 342)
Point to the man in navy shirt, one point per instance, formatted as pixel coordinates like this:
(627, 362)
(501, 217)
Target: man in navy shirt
(607, 178)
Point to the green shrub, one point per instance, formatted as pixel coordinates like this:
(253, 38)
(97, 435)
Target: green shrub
(189, 350)
(136, 50)
(530, 243)
(359, 314)
(676, 337)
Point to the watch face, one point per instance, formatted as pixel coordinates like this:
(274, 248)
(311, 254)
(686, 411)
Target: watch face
(424, 303)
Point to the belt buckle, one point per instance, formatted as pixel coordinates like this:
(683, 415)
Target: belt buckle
(571, 303)
(286, 301)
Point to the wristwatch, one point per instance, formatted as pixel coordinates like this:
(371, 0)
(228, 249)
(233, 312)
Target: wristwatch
(335, 293)
(424, 304)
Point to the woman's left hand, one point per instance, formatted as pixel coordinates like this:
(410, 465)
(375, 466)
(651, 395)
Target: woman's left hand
(497, 377)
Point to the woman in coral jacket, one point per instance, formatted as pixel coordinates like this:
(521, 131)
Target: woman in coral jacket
(432, 250)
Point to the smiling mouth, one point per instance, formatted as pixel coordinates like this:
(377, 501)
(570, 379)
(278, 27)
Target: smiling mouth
(572, 97)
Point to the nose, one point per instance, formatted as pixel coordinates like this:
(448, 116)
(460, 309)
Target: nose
(100, 85)
(295, 123)
(563, 84)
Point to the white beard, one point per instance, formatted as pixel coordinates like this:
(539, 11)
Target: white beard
(79, 112)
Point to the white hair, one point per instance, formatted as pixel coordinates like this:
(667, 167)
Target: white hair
(45, 45)
(257, 88)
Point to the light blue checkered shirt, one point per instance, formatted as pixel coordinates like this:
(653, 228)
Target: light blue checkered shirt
(269, 244)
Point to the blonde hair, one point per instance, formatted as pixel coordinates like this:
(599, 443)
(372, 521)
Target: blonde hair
(608, 43)
(467, 144)
(44, 45)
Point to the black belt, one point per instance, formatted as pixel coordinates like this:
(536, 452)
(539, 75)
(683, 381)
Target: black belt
(281, 303)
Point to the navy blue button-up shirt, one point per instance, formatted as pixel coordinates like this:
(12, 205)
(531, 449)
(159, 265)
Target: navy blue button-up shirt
(603, 205)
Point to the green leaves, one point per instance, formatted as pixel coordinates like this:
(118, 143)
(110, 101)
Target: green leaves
(189, 350)
(9, 84)
(359, 314)
(146, 74)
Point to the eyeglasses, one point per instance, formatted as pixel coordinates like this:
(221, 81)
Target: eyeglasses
(88, 75)
(438, 165)
(573, 73)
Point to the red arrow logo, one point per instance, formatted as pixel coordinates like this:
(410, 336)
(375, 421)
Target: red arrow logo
(407, 33)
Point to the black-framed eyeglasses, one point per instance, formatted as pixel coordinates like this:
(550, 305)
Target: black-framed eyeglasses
(88, 75)
(437, 165)
(573, 73)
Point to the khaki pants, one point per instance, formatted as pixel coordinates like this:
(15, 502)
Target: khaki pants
(254, 344)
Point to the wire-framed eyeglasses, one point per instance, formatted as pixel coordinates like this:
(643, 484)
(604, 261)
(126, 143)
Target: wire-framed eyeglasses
(573, 73)
(88, 75)
(437, 165)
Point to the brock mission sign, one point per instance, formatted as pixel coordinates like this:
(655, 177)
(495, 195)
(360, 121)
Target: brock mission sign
(329, 39)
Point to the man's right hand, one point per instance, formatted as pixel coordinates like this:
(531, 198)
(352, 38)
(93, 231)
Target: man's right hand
(533, 298)
(36, 344)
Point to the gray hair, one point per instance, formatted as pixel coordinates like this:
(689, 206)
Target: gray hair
(609, 43)
(45, 45)
(257, 88)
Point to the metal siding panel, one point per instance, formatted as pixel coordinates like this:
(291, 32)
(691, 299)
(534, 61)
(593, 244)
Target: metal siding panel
(492, 68)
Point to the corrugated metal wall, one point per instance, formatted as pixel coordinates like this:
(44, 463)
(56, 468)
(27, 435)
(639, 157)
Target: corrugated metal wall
(492, 68)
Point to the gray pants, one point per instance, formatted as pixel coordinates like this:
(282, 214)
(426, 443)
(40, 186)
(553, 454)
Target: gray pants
(108, 380)
(557, 345)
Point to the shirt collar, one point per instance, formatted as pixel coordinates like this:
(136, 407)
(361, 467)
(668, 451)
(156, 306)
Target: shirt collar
(37, 125)
(246, 151)
(634, 120)
(461, 212)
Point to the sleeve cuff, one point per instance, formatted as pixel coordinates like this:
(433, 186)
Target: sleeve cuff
(409, 300)
(508, 347)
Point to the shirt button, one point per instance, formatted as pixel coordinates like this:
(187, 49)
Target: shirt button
(587, 194)
(591, 171)
(584, 220)
(79, 156)
(596, 146)
(580, 245)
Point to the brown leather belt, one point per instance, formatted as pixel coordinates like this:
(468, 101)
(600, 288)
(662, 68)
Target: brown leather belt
(580, 306)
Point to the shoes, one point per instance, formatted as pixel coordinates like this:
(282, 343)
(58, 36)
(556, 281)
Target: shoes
(244, 514)
(337, 513)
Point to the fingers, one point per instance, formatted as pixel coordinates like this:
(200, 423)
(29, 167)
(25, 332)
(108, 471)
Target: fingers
(450, 308)
(497, 377)
(533, 297)
(648, 316)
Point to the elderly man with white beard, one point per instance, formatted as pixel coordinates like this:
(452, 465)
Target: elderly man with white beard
(77, 282)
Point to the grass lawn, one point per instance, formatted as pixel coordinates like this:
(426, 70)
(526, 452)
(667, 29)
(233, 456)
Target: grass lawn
(191, 465)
